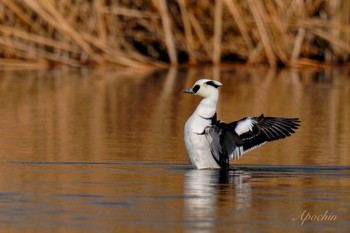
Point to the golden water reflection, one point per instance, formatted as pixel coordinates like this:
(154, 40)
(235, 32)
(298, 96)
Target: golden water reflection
(112, 115)
(85, 150)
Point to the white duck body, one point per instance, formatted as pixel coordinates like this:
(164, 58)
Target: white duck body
(197, 146)
(211, 143)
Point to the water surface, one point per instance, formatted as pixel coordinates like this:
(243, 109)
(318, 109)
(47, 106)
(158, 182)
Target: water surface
(102, 150)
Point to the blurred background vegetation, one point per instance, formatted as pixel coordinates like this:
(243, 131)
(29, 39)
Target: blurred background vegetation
(137, 33)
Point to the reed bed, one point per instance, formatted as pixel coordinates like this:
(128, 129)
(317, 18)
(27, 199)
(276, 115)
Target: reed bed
(137, 33)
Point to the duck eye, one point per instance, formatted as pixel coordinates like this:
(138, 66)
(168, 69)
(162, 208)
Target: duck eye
(195, 88)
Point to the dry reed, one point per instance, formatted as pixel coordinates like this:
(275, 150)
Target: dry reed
(42, 33)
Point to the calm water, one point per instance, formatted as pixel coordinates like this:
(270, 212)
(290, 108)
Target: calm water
(102, 151)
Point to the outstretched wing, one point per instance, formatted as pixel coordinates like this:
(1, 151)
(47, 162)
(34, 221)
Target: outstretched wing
(255, 131)
(231, 141)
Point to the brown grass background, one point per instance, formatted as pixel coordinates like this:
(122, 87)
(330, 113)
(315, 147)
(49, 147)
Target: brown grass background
(136, 33)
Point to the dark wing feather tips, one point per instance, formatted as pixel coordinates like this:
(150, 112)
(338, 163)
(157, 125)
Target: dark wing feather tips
(263, 129)
(234, 139)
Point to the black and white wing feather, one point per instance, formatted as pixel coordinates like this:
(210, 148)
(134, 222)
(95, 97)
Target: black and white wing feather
(231, 141)
(255, 131)
(223, 143)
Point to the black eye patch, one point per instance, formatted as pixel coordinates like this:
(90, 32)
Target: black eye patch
(211, 83)
(195, 88)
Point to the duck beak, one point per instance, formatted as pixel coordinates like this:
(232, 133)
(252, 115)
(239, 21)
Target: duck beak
(188, 91)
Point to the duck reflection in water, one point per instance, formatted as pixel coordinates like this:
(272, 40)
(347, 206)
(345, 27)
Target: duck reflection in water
(207, 190)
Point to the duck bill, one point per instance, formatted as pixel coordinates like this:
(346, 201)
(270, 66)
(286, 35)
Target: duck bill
(188, 91)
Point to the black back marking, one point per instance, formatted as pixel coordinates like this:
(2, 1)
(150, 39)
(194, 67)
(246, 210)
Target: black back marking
(212, 83)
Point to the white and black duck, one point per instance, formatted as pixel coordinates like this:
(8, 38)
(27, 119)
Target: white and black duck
(211, 143)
